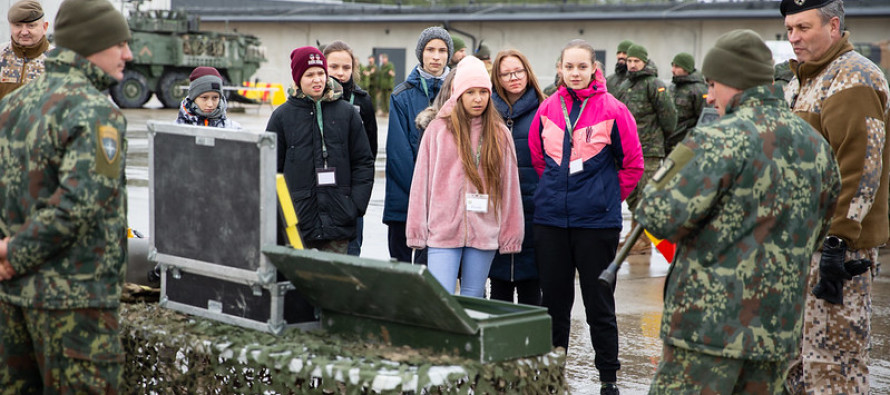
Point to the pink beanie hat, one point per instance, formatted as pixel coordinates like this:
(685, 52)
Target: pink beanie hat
(471, 73)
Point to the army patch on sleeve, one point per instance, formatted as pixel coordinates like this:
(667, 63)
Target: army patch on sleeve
(676, 161)
(108, 151)
(110, 140)
(660, 89)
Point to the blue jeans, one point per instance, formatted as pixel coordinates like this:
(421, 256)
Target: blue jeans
(444, 264)
(355, 245)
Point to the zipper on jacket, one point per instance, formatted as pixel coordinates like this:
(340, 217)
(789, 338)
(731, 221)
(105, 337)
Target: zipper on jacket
(512, 267)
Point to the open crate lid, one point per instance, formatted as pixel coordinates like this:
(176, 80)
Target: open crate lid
(388, 291)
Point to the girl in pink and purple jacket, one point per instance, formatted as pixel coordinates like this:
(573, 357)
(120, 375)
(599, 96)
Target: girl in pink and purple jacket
(586, 170)
(465, 202)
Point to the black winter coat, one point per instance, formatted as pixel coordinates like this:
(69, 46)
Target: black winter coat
(365, 104)
(324, 212)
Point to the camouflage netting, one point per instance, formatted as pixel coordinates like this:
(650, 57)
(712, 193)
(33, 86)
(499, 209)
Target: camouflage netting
(172, 353)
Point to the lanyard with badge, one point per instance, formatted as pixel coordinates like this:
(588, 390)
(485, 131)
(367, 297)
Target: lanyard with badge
(576, 165)
(327, 176)
(477, 202)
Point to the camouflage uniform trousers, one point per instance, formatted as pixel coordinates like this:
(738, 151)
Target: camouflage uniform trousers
(651, 165)
(834, 352)
(383, 100)
(684, 371)
(60, 351)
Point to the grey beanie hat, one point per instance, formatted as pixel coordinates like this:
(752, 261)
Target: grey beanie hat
(205, 83)
(739, 59)
(432, 33)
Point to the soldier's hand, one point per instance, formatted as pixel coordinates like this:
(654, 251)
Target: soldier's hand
(6, 270)
(3, 248)
(857, 266)
(832, 273)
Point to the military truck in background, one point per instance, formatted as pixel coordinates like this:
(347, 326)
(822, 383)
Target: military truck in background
(167, 45)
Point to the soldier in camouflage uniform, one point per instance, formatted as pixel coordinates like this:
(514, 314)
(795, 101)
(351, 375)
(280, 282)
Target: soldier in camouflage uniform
(844, 96)
(386, 80)
(63, 214)
(21, 60)
(690, 94)
(615, 80)
(746, 198)
(652, 106)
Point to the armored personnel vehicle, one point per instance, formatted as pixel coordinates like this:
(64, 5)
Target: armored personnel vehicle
(167, 45)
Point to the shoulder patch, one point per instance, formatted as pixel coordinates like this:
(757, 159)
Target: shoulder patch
(108, 151)
(661, 89)
(110, 141)
(676, 161)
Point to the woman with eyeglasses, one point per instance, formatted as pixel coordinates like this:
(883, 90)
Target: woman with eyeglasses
(584, 145)
(517, 96)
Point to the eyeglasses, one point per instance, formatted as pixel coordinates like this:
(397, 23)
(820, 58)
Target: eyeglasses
(519, 74)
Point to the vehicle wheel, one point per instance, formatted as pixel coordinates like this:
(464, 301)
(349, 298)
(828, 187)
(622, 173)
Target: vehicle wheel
(132, 91)
(172, 88)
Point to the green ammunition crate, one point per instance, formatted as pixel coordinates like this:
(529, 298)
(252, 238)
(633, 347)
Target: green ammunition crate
(403, 304)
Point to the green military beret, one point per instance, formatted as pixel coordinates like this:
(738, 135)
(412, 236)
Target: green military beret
(794, 6)
(89, 26)
(684, 61)
(25, 11)
(624, 45)
(638, 51)
(739, 59)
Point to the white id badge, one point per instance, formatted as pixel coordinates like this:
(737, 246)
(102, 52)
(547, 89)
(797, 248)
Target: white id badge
(477, 203)
(326, 177)
(576, 166)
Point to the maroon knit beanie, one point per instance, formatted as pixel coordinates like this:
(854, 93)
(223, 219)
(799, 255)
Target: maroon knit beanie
(201, 71)
(303, 58)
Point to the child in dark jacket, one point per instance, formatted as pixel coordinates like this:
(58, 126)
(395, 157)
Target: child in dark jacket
(205, 104)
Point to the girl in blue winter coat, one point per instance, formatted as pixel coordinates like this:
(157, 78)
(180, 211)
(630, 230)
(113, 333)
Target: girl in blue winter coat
(517, 96)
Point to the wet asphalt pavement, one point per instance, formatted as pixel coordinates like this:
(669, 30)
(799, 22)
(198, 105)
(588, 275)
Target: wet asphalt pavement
(638, 294)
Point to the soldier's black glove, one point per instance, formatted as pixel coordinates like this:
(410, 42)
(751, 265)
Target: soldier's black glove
(832, 273)
(857, 266)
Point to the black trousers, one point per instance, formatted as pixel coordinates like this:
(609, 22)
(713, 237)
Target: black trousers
(528, 291)
(559, 252)
(398, 245)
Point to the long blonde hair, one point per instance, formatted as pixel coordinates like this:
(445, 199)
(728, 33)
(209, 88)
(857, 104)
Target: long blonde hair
(492, 155)
(498, 85)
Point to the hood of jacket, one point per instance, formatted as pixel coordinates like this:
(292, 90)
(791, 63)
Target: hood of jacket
(693, 77)
(649, 70)
(333, 91)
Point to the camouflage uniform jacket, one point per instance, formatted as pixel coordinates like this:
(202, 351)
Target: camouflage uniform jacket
(652, 106)
(845, 97)
(63, 189)
(386, 76)
(19, 65)
(690, 94)
(746, 199)
(615, 80)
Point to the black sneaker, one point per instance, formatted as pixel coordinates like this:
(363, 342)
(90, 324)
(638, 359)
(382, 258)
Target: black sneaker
(609, 389)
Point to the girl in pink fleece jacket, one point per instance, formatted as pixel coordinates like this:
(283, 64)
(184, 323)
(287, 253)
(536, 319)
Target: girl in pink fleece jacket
(465, 202)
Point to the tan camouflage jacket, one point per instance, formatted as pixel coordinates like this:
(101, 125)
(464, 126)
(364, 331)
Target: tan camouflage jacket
(845, 97)
(19, 65)
(63, 195)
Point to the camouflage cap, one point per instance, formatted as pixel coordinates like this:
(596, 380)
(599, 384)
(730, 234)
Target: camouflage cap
(794, 6)
(25, 11)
